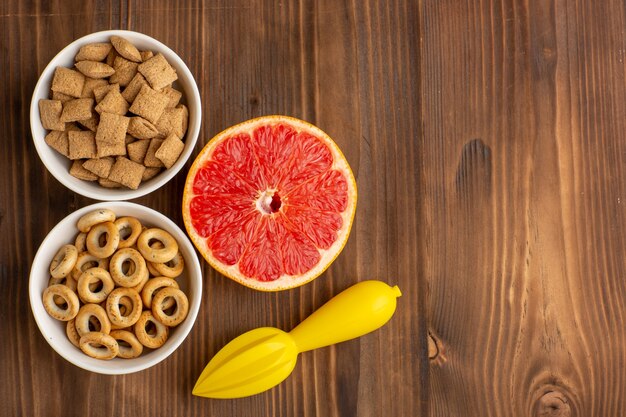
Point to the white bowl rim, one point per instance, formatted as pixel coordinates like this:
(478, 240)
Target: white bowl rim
(101, 193)
(100, 366)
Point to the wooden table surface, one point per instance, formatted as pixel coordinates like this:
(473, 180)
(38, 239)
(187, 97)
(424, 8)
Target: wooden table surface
(488, 142)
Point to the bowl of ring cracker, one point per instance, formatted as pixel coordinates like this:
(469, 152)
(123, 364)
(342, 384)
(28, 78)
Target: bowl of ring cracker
(115, 115)
(115, 287)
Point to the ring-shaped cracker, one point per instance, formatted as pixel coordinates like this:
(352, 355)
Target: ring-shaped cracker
(85, 261)
(180, 312)
(94, 276)
(126, 306)
(113, 307)
(172, 268)
(155, 244)
(138, 269)
(135, 349)
(68, 281)
(112, 239)
(152, 286)
(152, 270)
(86, 222)
(151, 341)
(63, 261)
(153, 254)
(88, 311)
(128, 223)
(94, 323)
(81, 242)
(144, 281)
(55, 311)
(72, 334)
(99, 345)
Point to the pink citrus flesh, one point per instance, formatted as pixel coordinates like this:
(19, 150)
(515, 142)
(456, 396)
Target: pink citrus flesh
(270, 202)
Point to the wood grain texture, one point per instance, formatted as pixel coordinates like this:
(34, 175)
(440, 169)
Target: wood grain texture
(523, 108)
(350, 67)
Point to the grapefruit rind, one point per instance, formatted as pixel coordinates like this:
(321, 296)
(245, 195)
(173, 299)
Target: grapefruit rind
(327, 255)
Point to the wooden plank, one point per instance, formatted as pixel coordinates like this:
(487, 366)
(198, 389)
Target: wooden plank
(523, 108)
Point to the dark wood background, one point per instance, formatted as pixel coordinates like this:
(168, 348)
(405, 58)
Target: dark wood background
(488, 142)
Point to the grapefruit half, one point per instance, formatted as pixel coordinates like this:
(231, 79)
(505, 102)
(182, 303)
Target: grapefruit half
(269, 202)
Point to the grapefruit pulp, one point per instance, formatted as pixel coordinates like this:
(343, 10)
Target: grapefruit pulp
(270, 202)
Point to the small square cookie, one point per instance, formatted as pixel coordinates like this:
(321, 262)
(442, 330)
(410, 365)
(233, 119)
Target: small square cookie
(77, 109)
(146, 55)
(172, 121)
(100, 92)
(158, 72)
(95, 69)
(170, 150)
(58, 141)
(90, 85)
(113, 102)
(149, 104)
(93, 52)
(151, 160)
(127, 172)
(150, 173)
(173, 94)
(112, 128)
(107, 183)
(61, 97)
(110, 149)
(81, 173)
(68, 81)
(50, 113)
(126, 49)
(99, 166)
(137, 150)
(82, 144)
(140, 128)
(92, 122)
(133, 88)
(125, 70)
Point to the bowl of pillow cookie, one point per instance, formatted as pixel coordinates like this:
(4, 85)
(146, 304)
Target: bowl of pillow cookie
(115, 115)
(115, 287)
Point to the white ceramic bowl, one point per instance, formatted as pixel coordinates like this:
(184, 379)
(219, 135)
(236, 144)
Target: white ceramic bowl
(59, 165)
(54, 331)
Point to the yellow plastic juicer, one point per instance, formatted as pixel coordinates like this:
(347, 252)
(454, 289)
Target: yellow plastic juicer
(262, 358)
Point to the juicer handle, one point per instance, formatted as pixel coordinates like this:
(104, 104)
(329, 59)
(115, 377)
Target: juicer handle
(356, 311)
